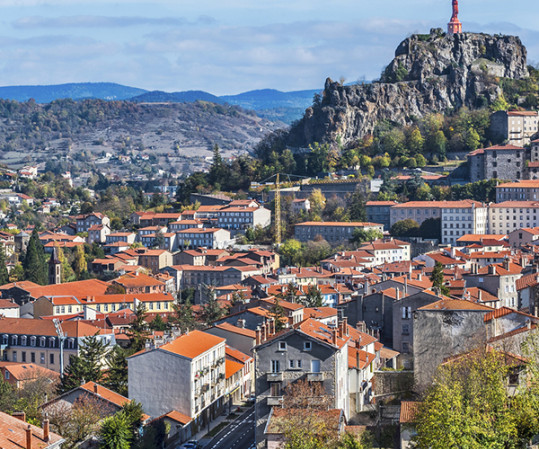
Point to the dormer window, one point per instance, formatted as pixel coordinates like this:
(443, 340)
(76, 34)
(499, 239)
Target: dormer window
(23, 340)
(14, 339)
(32, 341)
(42, 341)
(307, 346)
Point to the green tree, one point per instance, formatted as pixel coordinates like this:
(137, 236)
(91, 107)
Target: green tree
(157, 324)
(291, 250)
(4, 275)
(139, 328)
(212, 310)
(116, 378)
(184, 317)
(360, 235)
(278, 314)
(405, 228)
(318, 202)
(115, 432)
(313, 298)
(35, 262)
(416, 141)
(88, 366)
(469, 406)
(80, 265)
(437, 278)
(357, 206)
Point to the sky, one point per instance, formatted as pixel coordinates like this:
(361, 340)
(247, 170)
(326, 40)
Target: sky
(229, 46)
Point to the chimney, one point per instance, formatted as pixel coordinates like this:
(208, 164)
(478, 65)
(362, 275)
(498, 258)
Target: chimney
(258, 336)
(492, 269)
(334, 336)
(405, 286)
(20, 415)
(506, 264)
(340, 329)
(271, 327)
(264, 335)
(95, 388)
(46, 430)
(398, 294)
(29, 437)
(479, 295)
(345, 326)
(420, 276)
(529, 324)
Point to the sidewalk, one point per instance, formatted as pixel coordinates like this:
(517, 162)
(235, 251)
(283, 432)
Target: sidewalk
(203, 438)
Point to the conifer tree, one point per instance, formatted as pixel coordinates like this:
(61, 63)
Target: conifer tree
(4, 275)
(277, 312)
(116, 378)
(437, 278)
(35, 262)
(184, 317)
(139, 329)
(212, 311)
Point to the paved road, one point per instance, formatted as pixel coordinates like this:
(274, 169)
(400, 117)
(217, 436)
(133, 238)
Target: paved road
(240, 434)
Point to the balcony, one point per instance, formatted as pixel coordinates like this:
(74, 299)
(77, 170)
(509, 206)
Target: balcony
(274, 377)
(315, 377)
(275, 401)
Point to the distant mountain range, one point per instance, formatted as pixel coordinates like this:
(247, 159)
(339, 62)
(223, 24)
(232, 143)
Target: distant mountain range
(268, 103)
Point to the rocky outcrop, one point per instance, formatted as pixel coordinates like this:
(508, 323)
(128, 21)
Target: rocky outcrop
(430, 73)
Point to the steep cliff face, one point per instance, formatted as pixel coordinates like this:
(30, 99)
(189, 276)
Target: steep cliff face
(430, 73)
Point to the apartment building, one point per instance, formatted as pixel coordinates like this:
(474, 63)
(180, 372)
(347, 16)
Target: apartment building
(127, 237)
(310, 350)
(508, 216)
(211, 238)
(387, 250)
(380, 212)
(463, 217)
(331, 231)
(240, 217)
(36, 341)
(85, 222)
(527, 190)
(186, 375)
(515, 127)
(196, 275)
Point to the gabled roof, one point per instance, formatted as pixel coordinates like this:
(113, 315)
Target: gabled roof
(235, 329)
(504, 311)
(316, 329)
(455, 304)
(13, 434)
(105, 393)
(29, 326)
(232, 367)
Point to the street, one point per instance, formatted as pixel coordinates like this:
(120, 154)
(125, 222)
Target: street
(238, 435)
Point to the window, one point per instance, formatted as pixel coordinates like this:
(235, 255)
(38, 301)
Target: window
(33, 357)
(291, 364)
(42, 341)
(14, 356)
(405, 329)
(275, 366)
(32, 341)
(7, 375)
(275, 389)
(307, 345)
(282, 346)
(405, 347)
(51, 359)
(42, 358)
(315, 366)
(298, 363)
(23, 354)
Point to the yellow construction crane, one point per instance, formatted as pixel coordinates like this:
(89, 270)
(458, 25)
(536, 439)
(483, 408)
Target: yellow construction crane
(277, 212)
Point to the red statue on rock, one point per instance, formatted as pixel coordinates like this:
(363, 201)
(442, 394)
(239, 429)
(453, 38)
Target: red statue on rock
(455, 26)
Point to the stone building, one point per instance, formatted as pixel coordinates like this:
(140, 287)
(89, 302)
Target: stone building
(499, 161)
(331, 231)
(514, 127)
(443, 329)
(379, 212)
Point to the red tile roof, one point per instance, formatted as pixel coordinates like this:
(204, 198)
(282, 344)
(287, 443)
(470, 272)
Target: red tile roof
(455, 304)
(193, 344)
(13, 434)
(28, 326)
(237, 330)
(232, 367)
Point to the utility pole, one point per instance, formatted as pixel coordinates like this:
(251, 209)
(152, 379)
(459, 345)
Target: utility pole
(61, 339)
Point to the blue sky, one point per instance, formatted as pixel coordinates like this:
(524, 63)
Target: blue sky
(229, 46)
